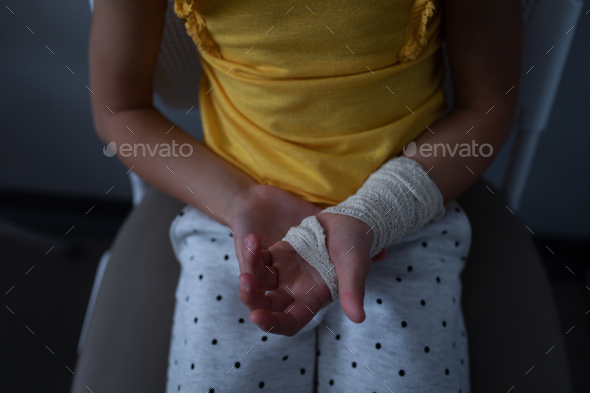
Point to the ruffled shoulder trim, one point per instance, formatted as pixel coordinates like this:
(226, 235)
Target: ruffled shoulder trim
(196, 26)
(416, 33)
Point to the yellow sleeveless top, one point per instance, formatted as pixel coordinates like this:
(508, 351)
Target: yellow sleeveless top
(312, 98)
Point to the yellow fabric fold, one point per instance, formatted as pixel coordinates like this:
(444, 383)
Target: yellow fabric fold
(314, 99)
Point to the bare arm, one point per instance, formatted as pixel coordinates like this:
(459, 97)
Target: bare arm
(124, 43)
(484, 41)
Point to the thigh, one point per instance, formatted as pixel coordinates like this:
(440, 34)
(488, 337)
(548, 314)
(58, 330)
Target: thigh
(413, 337)
(214, 345)
(128, 337)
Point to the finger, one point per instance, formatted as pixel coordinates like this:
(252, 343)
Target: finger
(257, 262)
(351, 286)
(250, 294)
(381, 256)
(288, 322)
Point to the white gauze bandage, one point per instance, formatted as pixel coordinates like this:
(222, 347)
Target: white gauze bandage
(395, 200)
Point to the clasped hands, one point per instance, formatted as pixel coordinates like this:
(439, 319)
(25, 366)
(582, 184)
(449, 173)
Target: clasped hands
(281, 290)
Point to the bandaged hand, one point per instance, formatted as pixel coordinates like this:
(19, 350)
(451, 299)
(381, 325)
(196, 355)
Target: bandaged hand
(395, 200)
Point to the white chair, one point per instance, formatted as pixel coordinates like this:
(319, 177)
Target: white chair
(178, 71)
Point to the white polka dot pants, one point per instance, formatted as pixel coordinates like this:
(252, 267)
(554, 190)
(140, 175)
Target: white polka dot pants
(412, 340)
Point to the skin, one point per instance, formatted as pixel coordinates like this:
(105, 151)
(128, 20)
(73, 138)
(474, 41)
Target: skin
(124, 42)
(486, 63)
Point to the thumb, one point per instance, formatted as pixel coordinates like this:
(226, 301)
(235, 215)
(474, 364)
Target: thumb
(351, 286)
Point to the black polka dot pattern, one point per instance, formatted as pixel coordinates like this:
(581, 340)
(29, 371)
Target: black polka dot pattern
(436, 310)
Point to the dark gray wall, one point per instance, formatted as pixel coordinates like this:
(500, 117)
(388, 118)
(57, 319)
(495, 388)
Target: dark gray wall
(48, 142)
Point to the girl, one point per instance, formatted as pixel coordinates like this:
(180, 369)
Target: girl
(306, 109)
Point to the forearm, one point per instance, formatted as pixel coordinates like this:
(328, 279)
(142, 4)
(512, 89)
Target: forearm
(202, 179)
(460, 129)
